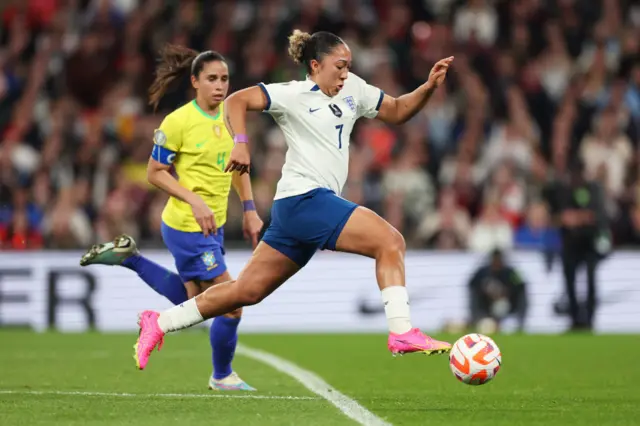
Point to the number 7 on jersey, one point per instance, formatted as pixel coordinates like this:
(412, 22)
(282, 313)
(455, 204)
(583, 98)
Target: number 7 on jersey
(339, 127)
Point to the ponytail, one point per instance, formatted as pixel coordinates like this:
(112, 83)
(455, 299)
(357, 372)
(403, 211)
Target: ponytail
(305, 47)
(297, 42)
(175, 62)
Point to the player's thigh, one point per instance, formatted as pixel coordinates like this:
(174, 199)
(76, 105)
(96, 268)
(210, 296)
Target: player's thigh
(368, 234)
(225, 277)
(266, 270)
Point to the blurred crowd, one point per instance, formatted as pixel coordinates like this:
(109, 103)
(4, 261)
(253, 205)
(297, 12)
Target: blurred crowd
(536, 86)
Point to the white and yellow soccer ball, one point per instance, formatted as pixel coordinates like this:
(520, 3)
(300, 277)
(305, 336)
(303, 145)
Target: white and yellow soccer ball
(475, 359)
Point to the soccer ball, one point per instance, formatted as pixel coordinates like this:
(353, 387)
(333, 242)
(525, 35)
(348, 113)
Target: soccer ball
(475, 359)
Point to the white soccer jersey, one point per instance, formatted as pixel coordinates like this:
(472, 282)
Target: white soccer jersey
(317, 129)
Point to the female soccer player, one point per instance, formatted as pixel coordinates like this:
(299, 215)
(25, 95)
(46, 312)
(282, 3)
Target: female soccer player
(194, 140)
(316, 116)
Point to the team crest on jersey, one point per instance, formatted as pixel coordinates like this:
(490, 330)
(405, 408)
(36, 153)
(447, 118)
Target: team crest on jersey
(351, 103)
(335, 109)
(217, 130)
(159, 138)
(209, 260)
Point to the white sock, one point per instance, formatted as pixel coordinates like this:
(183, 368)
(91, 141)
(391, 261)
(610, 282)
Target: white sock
(396, 307)
(180, 316)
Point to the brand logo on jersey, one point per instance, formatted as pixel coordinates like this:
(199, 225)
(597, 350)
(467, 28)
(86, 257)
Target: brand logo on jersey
(351, 103)
(209, 260)
(335, 110)
(159, 138)
(217, 130)
(311, 111)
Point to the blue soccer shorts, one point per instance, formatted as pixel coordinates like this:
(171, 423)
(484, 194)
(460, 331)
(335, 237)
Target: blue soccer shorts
(302, 224)
(197, 257)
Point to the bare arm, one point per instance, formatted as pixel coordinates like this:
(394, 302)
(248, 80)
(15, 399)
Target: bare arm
(158, 175)
(251, 222)
(400, 110)
(235, 119)
(242, 186)
(237, 105)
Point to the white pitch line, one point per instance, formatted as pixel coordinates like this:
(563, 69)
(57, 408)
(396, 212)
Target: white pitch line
(315, 384)
(152, 395)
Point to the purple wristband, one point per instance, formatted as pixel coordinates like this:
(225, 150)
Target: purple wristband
(240, 139)
(248, 206)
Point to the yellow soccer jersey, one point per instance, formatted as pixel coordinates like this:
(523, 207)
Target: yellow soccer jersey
(202, 145)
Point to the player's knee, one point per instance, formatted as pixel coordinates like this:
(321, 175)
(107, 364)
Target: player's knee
(252, 296)
(399, 244)
(394, 243)
(235, 314)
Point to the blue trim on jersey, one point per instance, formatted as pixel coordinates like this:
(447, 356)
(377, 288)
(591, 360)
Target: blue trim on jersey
(163, 155)
(315, 88)
(266, 93)
(380, 100)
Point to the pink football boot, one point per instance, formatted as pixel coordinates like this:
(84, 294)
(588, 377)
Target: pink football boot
(415, 340)
(150, 336)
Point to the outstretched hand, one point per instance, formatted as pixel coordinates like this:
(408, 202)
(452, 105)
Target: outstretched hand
(439, 72)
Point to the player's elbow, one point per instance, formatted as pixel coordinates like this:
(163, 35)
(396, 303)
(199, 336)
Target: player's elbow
(396, 113)
(249, 99)
(400, 115)
(152, 176)
(238, 101)
(395, 110)
(234, 101)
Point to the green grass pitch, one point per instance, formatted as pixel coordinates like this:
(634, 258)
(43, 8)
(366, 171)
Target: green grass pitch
(545, 380)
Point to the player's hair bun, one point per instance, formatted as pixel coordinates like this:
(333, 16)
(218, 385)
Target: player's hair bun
(297, 43)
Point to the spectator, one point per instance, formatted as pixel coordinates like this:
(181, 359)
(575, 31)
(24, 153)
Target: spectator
(513, 139)
(66, 225)
(21, 236)
(579, 208)
(536, 233)
(476, 22)
(508, 192)
(555, 63)
(496, 291)
(491, 231)
(448, 227)
(607, 153)
(440, 115)
(408, 189)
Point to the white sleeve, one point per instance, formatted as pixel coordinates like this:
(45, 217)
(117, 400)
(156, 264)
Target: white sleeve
(369, 100)
(278, 95)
